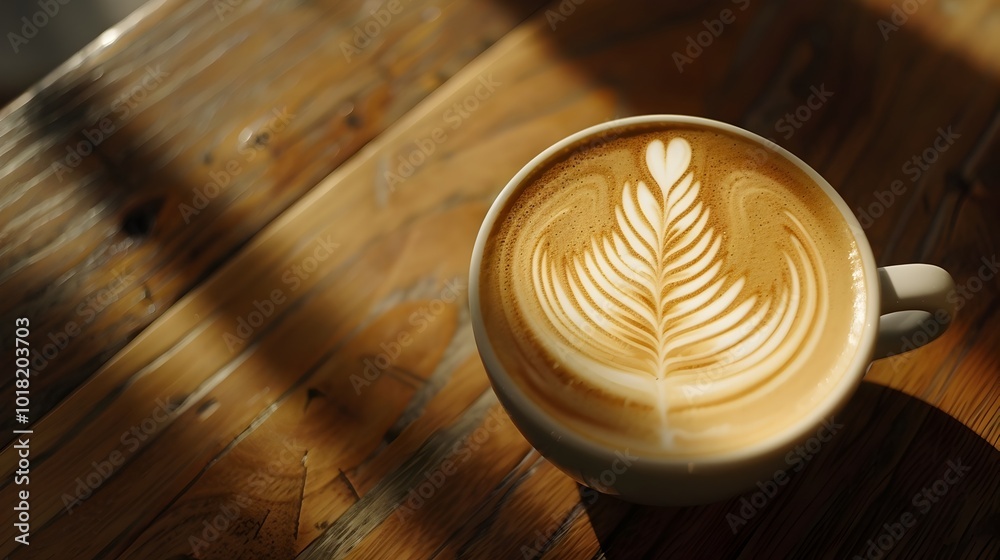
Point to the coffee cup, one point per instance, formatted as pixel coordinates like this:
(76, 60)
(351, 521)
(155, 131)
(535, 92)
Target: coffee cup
(666, 306)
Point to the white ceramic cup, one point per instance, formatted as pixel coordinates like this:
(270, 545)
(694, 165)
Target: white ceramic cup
(914, 294)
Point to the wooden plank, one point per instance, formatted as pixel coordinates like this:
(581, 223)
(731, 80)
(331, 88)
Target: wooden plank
(273, 424)
(887, 452)
(214, 122)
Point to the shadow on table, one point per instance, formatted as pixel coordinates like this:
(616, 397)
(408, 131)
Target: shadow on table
(900, 479)
(861, 494)
(891, 446)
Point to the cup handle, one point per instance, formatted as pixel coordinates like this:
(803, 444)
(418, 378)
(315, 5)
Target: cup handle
(915, 307)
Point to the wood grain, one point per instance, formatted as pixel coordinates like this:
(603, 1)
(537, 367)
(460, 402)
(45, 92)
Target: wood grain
(354, 418)
(147, 163)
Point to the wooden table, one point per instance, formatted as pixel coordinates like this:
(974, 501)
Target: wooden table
(221, 218)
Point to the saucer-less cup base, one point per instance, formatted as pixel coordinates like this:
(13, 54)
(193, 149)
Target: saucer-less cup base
(912, 294)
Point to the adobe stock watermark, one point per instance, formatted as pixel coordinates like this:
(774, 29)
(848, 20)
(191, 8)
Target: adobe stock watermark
(418, 322)
(460, 454)
(221, 178)
(86, 312)
(47, 11)
(561, 12)
(292, 278)
(922, 502)
(537, 547)
(131, 439)
(791, 122)
(415, 156)
(120, 109)
(367, 31)
(901, 13)
(601, 483)
(605, 480)
(914, 168)
(697, 43)
(225, 7)
(796, 459)
(229, 516)
(963, 293)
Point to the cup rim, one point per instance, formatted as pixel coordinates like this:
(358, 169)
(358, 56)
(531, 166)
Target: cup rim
(802, 427)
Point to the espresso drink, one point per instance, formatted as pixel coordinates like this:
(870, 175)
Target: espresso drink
(676, 290)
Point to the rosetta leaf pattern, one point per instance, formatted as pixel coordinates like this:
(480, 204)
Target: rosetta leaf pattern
(651, 295)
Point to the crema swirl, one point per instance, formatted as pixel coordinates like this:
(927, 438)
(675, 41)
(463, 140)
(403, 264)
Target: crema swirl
(673, 290)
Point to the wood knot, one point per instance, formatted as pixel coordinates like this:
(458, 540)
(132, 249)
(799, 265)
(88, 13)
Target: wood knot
(139, 221)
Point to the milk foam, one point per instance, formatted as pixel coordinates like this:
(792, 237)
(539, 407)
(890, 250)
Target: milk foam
(668, 292)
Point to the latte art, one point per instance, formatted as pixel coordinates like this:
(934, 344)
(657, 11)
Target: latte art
(657, 294)
(662, 289)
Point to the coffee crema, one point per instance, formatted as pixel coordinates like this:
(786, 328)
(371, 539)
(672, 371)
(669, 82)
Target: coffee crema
(676, 290)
